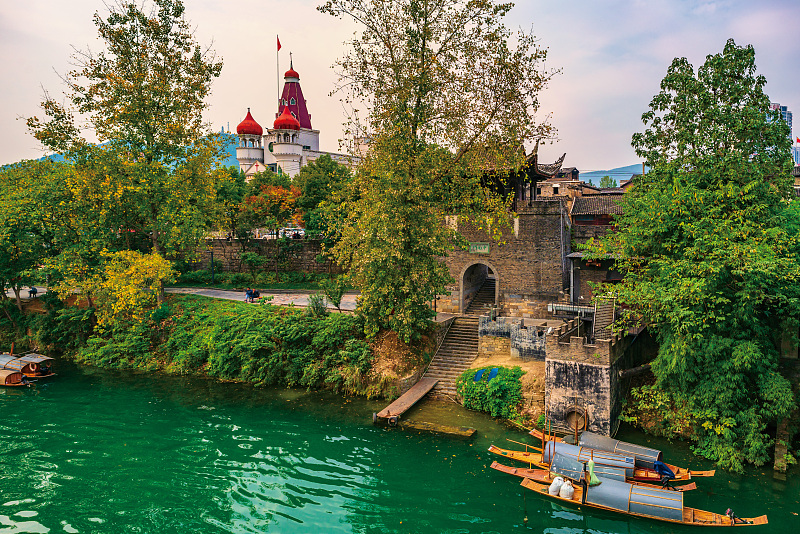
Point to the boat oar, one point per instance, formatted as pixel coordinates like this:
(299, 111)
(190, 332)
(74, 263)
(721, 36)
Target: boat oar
(525, 444)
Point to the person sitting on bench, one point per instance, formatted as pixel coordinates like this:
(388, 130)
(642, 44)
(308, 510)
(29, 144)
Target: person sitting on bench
(32, 292)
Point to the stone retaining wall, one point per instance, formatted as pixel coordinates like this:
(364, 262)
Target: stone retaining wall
(291, 255)
(583, 378)
(525, 343)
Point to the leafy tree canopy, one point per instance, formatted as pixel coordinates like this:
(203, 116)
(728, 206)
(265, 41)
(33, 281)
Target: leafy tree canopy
(318, 182)
(607, 181)
(449, 93)
(709, 253)
(144, 96)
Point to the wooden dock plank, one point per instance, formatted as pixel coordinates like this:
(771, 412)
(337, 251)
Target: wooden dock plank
(409, 398)
(435, 427)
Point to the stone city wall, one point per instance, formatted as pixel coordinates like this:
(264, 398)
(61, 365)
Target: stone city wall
(489, 346)
(294, 255)
(509, 337)
(527, 262)
(582, 378)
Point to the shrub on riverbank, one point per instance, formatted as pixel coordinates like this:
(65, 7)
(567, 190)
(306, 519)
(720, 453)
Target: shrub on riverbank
(260, 344)
(500, 397)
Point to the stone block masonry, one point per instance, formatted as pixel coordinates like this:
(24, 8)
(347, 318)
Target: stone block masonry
(528, 262)
(293, 255)
(582, 379)
(509, 337)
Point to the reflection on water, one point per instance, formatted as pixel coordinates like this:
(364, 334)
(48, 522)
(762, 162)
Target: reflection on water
(97, 451)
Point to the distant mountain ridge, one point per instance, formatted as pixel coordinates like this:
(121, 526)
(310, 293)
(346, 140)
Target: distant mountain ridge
(619, 174)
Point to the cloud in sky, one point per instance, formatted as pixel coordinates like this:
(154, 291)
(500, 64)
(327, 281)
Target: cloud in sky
(612, 53)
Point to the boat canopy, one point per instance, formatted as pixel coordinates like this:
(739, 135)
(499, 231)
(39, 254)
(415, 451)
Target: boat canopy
(17, 363)
(584, 454)
(9, 377)
(644, 456)
(642, 500)
(570, 467)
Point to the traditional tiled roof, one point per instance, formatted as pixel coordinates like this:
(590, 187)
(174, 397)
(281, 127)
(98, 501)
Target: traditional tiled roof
(599, 205)
(549, 169)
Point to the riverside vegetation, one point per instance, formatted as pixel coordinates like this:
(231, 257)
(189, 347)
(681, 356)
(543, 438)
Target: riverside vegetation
(260, 344)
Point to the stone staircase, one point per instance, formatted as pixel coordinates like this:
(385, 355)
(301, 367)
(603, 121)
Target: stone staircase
(457, 351)
(483, 300)
(603, 318)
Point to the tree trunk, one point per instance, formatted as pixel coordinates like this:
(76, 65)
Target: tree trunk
(18, 297)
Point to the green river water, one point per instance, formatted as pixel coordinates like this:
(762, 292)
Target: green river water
(99, 451)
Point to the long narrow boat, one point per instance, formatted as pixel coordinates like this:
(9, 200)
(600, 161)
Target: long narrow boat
(644, 458)
(641, 501)
(543, 476)
(31, 365)
(11, 378)
(601, 458)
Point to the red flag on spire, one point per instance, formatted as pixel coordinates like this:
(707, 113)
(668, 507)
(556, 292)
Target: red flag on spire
(279, 42)
(798, 139)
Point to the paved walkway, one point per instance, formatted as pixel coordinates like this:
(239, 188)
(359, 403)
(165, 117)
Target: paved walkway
(25, 292)
(298, 298)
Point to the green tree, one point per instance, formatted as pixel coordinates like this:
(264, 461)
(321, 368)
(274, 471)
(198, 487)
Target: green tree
(34, 221)
(710, 266)
(607, 181)
(447, 97)
(144, 96)
(319, 181)
(231, 191)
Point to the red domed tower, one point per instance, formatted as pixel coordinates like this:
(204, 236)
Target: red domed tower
(250, 149)
(292, 98)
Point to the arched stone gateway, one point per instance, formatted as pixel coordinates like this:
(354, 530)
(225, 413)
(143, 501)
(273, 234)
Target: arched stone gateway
(473, 277)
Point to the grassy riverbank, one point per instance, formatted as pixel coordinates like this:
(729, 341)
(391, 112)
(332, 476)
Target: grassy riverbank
(256, 343)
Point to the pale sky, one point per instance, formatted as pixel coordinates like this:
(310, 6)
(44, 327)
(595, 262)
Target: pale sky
(613, 54)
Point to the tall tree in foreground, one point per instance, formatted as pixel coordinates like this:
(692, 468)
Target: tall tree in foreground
(447, 96)
(710, 266)
(143, 96)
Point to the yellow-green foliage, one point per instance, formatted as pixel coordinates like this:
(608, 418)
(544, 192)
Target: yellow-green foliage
(261, 344)
(126, 287)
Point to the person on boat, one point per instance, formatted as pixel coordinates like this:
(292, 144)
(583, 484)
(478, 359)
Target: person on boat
(666, 474)
(734, 518)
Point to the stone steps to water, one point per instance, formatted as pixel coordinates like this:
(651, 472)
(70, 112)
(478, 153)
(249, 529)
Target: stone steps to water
(455, 355)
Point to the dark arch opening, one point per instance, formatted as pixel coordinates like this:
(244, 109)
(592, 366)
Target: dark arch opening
(479, 287)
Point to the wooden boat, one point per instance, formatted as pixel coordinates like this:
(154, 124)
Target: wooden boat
(543, 476)
(10, 378)
(603, 459)
(31, 365)
(644, 458)
(642, 501)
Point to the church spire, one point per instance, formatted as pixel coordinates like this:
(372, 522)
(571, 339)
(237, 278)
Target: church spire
(292, 97)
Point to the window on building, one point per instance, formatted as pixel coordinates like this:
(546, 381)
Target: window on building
(293, 115)
(555, 189)
(293, 101)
